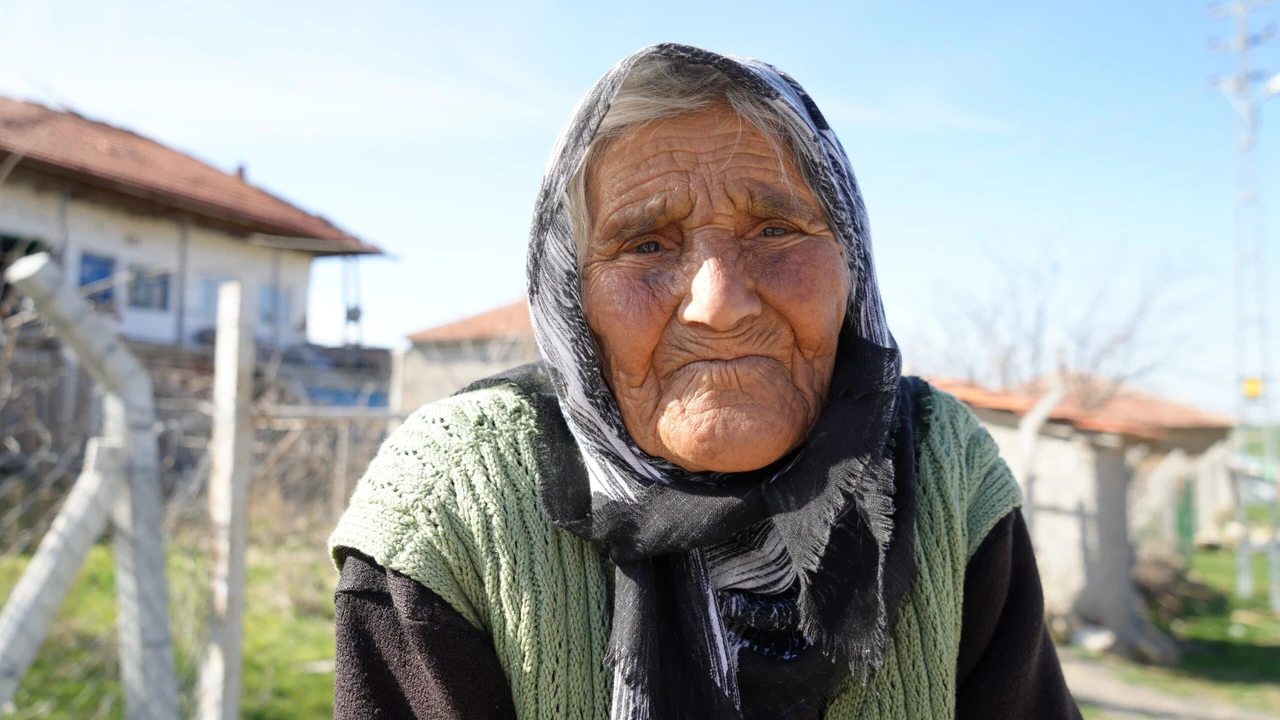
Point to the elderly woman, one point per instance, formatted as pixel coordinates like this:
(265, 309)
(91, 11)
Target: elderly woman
(717, 497)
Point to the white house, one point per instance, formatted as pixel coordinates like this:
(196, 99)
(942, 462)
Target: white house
(149, 232)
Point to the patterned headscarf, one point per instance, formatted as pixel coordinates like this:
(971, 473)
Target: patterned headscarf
(788, 541)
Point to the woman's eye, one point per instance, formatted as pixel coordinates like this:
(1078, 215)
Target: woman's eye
(648, 247)
(773, 232)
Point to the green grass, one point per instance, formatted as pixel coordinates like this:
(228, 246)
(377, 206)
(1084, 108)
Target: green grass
(1090, 711)
(288, 641)
(75, 672)
(1258, 515)
(1230, 651)
(288, 637)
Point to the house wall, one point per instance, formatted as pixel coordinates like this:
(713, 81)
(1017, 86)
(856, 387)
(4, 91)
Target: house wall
(433, 370)
(1060, 506)
(1110, 596)
(1195, 441)
(76, 227)
(1214, 494)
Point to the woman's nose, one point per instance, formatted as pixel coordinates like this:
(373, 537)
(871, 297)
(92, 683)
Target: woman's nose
(720, 296)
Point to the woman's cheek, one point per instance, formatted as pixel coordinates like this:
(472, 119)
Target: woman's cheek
(628, 309)
(809, 285)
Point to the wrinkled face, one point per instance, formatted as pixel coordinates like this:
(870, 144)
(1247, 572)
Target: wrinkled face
(715, 290)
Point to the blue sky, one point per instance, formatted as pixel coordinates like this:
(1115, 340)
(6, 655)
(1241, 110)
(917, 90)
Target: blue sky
(1086, 133)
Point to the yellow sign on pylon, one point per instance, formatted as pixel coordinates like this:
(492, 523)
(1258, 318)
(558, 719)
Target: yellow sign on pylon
(1253, 388)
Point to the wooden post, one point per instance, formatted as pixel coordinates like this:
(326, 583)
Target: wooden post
(342, 451)
(38, 594)
(231, 455)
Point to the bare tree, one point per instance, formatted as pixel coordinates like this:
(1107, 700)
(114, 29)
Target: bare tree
(1098, 328)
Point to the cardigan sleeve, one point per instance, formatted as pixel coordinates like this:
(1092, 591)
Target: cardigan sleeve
(402, 652)
(1007, 666)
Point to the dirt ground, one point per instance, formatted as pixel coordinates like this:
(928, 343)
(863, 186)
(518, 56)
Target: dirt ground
(1093, 684)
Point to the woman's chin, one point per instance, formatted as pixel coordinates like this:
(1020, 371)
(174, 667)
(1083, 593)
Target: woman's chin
(729, 441)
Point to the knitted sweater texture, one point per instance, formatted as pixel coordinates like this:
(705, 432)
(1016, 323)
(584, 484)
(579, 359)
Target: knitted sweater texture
(452, 501)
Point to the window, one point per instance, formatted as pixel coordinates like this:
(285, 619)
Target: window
(209, 286)
(97, 277)
(209, 297)
(273, 305)
(12, 248)
(148, 289)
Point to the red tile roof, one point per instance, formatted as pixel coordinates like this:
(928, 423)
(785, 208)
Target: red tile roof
(1127, 412)
(509, 321)
(70, 146)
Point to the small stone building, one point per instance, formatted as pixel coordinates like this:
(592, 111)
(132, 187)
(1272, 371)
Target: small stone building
(1109, 470)
(442, 360)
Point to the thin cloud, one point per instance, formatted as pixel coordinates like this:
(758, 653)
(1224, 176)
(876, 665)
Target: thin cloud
(912, 113)
(304, 93)
(337, 105)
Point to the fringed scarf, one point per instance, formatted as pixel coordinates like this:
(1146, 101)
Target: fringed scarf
(748, 594)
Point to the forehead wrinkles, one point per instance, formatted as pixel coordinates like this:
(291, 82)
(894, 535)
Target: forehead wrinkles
(682, 161)
(695, 148)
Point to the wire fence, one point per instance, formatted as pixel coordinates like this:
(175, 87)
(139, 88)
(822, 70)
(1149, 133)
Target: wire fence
(49, 409)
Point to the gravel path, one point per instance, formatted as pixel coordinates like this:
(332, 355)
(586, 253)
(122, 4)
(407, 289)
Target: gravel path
(1093, 683)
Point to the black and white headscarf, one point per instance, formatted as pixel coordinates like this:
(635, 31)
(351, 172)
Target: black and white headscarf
(781, 568)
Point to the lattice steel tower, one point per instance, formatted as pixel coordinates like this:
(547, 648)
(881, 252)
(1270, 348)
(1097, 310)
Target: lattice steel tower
(1246, 91)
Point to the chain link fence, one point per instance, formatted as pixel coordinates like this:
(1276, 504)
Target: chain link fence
(48, 410)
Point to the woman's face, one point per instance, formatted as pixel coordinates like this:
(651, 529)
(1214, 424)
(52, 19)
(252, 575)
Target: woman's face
(715, 290)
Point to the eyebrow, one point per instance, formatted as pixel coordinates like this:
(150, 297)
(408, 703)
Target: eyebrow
(635, 220)
(766, 201)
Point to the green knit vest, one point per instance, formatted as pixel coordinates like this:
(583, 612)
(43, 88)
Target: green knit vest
(451, 500)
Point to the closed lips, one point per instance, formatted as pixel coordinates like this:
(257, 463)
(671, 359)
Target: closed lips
(738, 363)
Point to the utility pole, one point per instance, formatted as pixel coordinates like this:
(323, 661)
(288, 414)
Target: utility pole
(1252, 361)
(352, 329)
